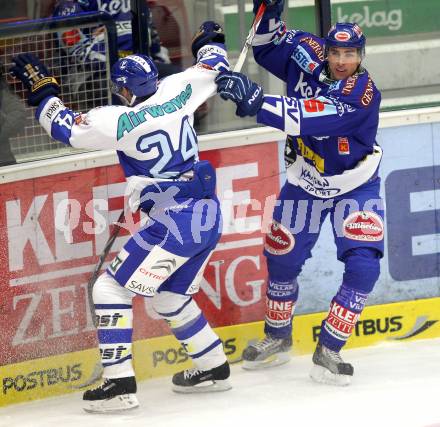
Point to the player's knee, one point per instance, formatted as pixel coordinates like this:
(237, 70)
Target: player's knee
(282, 272)
(362, 269)
(170, 305)
(107, 290)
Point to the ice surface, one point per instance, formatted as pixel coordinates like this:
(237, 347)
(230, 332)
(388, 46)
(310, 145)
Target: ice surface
(395, 384)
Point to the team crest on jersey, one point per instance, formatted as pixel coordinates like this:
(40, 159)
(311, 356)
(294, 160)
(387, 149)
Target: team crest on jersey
(343, 146)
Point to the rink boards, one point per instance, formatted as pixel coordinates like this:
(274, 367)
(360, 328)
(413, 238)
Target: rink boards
(160, 356)
(55, 218)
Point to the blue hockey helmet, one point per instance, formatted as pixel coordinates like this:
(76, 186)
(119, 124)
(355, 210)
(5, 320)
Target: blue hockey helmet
(137, 73)
(346, 34)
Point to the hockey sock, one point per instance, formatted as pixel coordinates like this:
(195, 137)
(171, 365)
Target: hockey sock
(115, 327)
(345, 309)
(360, 275)
(281, 299)
(191, 328)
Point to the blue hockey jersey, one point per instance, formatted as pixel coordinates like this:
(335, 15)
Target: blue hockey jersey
(332, 124)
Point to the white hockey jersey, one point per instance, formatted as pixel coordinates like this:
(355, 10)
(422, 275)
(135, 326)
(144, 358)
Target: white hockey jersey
(155, 138)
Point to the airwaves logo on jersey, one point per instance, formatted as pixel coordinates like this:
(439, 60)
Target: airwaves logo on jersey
(128, 121)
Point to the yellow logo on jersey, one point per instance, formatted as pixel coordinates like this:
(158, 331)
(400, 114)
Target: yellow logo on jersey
(309, 154)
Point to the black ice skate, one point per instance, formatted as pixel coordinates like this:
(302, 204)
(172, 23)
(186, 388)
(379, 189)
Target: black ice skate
(329, 368)
(117, 394)
(197, 381)
(267, 352)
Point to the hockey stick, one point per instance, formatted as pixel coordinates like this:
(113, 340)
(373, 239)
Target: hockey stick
(97, 370)
(250, 37)
(101, 260)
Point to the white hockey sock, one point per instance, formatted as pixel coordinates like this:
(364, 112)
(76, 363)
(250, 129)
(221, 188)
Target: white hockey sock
(113, 306)
(190, 327)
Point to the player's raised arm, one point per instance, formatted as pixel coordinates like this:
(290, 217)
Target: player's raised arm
(97, 129)
(274, 45)
(209, 50)
(332, 114)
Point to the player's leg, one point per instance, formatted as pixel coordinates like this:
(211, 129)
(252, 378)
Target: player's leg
(359, 239)
(113, 306)
(173, 302)
(288, 245)
(139, 268)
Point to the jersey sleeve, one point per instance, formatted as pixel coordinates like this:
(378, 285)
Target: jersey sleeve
(211, 60)
(95, 130)
(285, 53)
(349, 105)
(102, 128)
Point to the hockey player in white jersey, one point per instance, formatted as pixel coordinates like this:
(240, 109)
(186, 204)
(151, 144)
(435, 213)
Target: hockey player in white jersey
(157, 147)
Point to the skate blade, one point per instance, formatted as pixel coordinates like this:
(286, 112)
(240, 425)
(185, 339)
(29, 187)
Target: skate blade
(274, 360)
(121, 403)
(212, 387)
(324, 376)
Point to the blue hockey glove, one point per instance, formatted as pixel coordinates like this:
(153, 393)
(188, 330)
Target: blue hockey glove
(246, 94)
(35, 77)
(208, 32)
(274, 8)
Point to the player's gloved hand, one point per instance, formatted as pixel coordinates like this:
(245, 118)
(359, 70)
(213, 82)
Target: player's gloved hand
(35, 77)
(274, 8)
(208, 32)
(246, 94)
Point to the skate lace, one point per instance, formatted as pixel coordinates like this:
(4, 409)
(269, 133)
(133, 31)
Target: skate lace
(107, 384)
(189, 373)
(266, 343)
(332, 355)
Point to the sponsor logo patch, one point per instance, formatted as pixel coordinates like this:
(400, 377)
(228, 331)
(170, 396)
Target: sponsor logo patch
(118, 261)
(315, 46)
(279, 240)
(364, 226)
(349, 85)
(279, 310)
(342, 36)
(303, 59)
(368, 93)
(340, 321)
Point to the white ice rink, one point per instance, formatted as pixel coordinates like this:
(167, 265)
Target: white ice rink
(395, 384)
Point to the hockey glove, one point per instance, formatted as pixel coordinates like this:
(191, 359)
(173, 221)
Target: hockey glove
(246, 94)
(208, 32)
(35, 77)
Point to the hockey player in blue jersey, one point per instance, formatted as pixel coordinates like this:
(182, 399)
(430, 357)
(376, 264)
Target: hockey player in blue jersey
(88, 47)
(331, 115)
(120, 10)
(155, 140)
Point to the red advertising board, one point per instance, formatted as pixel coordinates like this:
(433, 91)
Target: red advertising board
(53, 229)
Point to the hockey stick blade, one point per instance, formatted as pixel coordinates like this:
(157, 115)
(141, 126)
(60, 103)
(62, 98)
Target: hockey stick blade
(95, 376)
(250, 37)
